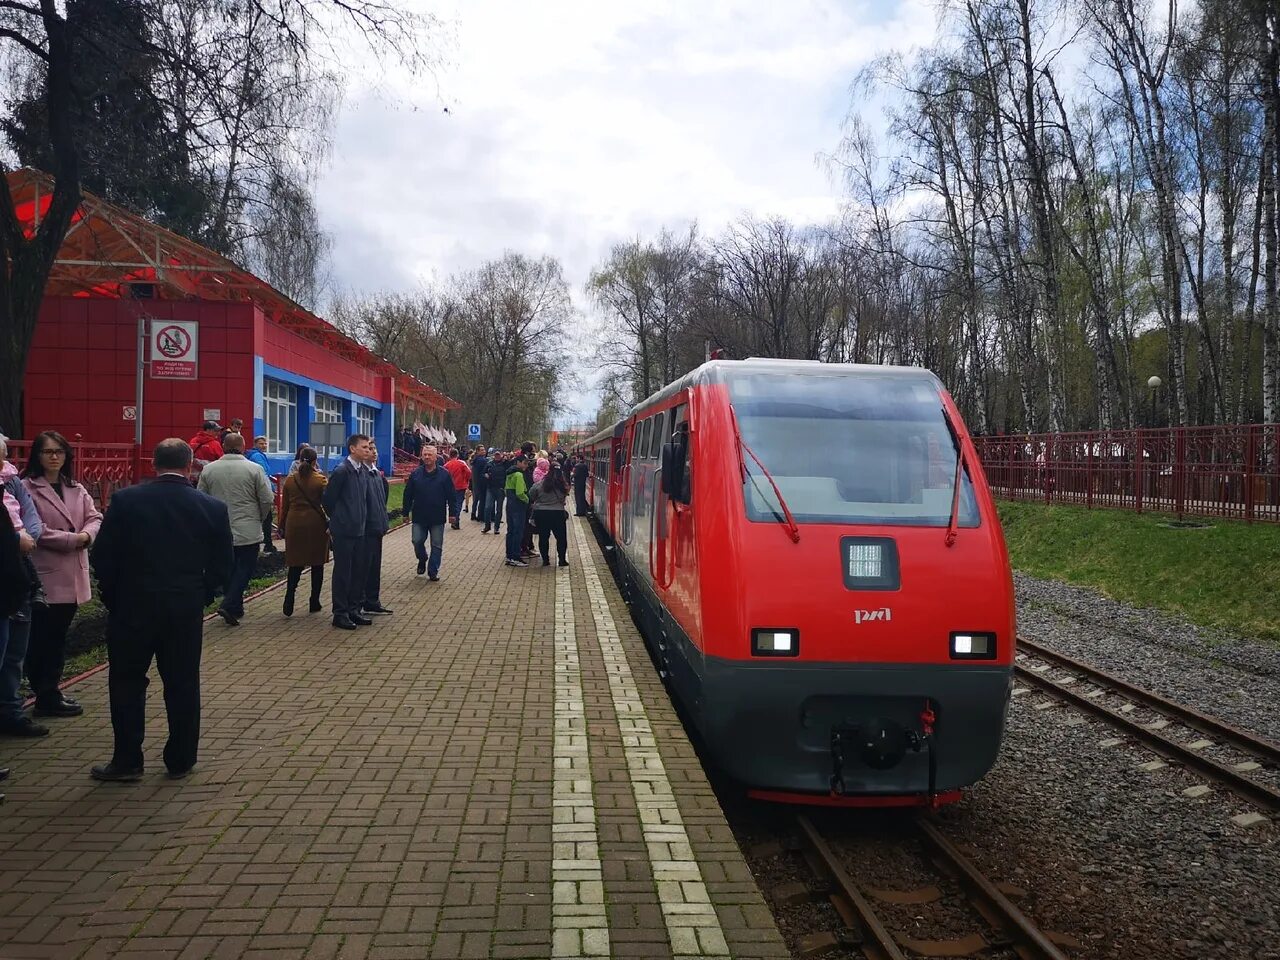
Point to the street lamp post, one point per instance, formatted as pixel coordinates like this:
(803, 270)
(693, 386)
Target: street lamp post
(1153, 384)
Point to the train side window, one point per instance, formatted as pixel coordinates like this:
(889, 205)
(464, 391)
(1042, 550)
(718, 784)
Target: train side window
(642, 449)
(659, 435)
(636, 433)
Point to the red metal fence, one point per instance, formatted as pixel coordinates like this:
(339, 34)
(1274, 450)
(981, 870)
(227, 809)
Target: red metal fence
(1224, 471)
(101, 467)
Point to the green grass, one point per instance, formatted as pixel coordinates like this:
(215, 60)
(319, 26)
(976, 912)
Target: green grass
(395, 497)
(1224, 575)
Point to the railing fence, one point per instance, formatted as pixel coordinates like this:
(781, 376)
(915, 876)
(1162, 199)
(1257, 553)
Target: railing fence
(1223, 471)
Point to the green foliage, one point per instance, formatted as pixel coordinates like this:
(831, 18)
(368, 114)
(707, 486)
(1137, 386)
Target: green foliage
(1225, 575)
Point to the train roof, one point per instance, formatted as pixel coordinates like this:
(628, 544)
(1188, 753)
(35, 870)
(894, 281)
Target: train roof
(723, 371)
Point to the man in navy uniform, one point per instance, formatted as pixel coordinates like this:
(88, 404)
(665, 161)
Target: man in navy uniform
(155, 589)
(346, 501)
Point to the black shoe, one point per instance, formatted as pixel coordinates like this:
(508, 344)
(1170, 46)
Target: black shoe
(178, 774)
(360, 621)
(38, 598)
(113, 774)
(23, 727)
(343, 623)
(422, 568)
(226, 615)
(288, 604)
(546, 562)
(485, 530)
(434, 578)
(497, 529)
(4, 773)
(315, 605)
(377, 608)
(564, 563)
(58, 708)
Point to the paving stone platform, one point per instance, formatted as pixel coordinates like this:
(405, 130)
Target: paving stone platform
(493, 771)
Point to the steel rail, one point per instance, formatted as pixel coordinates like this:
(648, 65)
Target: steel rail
(1030, 941)
(1001, 913)
(1268, 798)
(1209, 726)
(883, 943)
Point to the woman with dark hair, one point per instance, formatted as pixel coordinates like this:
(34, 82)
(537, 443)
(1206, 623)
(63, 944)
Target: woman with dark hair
(547, 505)
(306, 528)
(297, 462)
(71, 523)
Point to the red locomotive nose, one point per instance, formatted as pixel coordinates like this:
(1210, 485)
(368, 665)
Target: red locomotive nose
(812, 553)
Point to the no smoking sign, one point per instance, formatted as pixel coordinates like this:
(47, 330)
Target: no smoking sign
(174, 350)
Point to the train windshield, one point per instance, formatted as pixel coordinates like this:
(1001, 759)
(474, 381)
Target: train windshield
(849, 449)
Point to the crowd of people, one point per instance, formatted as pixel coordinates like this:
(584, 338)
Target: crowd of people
(214, 498)
(527, 489)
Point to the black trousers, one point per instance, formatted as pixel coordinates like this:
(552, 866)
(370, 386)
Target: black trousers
(580, 500)
(477, 503)
(373, 582)
(350, 574)
(268, 528)
(47, 651)
(551, 522)
(170, 628)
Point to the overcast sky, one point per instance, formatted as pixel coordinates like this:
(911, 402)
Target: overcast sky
(575, 124)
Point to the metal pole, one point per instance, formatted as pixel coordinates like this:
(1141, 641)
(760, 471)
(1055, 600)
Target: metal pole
(139, 393)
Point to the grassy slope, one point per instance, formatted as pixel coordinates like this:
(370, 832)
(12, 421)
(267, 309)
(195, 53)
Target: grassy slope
(1227, 575)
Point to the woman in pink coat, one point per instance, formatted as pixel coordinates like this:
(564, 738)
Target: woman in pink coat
(71, 523)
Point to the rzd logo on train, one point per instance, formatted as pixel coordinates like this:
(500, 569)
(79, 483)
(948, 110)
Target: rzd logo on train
(862, 616)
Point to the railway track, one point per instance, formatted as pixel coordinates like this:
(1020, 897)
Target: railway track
(1010, 928)
(1153, 734)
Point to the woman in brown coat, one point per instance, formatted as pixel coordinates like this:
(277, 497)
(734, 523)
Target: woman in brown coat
(306, 528)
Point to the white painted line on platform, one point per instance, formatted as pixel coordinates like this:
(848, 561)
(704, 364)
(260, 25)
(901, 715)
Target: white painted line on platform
(579, 923)
(692, 924)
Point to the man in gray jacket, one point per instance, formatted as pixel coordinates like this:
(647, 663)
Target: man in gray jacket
(243, 487)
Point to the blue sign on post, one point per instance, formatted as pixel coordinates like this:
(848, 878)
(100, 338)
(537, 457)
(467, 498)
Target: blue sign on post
(473, 431)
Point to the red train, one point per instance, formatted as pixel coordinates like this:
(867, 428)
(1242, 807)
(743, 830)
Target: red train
(815, 560)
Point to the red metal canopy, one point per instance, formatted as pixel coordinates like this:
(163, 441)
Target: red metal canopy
(108, 248)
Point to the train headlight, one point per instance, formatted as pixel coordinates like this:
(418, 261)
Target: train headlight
(775, 642)
(973, 646)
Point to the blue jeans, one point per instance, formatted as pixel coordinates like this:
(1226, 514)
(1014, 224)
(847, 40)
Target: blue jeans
(11, 660)
(455, 507)
(418, 534)
(246, 558)
(493, 508)
(517, 513)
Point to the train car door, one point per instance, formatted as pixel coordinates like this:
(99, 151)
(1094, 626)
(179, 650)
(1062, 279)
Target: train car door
(661, 544)
(629, 473)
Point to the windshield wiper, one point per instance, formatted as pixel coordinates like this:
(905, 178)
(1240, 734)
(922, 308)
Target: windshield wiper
(790, 521)
(953, 523)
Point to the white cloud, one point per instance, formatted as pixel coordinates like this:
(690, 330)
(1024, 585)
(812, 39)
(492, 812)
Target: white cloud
(574, 124)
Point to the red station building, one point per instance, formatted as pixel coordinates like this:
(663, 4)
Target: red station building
(130, 305)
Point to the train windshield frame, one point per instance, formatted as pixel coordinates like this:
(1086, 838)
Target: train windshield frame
(852, 449)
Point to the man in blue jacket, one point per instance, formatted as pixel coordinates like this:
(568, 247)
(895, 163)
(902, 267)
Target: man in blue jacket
(428, 495)
(259, 456)
(479, 486)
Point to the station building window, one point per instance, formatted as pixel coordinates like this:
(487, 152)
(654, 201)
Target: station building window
(281, 416)
(328, 410)
(364, 419)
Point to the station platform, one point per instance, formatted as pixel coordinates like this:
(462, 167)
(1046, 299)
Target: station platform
(495, 770)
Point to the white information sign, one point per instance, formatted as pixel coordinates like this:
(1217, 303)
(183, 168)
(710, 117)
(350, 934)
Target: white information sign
(174, 349)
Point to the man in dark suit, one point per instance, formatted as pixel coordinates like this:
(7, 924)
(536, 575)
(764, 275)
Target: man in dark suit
(155, 589)
(580, 473)
(376, 525)
(346, 500)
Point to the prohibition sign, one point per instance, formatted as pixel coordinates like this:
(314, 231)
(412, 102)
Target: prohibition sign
(173, 342)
